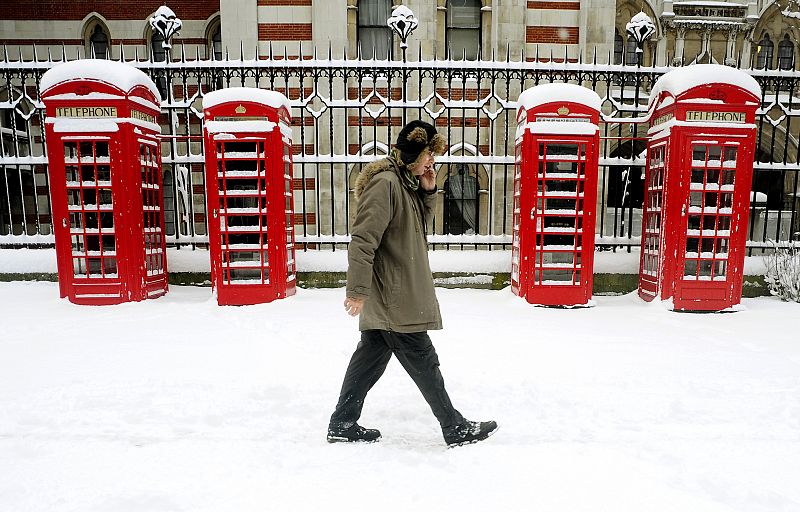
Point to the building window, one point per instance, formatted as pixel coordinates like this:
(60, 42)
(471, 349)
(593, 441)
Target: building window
(461, 201)
(157, 51)
(464, 29)
(765, 51)
(98, 42)
(159, 54)
(786, 53)
(619, 47)
(215, 43)
(632, 57)
(374, 35)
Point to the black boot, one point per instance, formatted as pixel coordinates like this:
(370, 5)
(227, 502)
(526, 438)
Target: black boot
(352, 433)
(468, 432)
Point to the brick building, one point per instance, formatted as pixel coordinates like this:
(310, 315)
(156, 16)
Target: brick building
(685, 31)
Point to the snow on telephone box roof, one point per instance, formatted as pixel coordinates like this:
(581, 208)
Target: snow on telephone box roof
(120, 75)
(552, 93)
(680, 80)
(272, 99)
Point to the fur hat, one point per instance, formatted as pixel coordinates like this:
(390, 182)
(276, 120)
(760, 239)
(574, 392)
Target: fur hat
(415, 139)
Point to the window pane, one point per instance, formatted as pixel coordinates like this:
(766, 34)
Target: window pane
(463, 39)
(619, 46)
(216, 44)
(374, 42)
(786, 54)
(158, 52)
(99, 41)
(461, 201)
(374, 12)
(464, 14)
(631, 57)
(765, 50)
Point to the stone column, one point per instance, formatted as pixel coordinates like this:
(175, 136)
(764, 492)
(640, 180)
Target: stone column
(730, 60)
(329, 29)
(680, 42)
(509, 17)
(705, 43)
(747, 47)
(661, 50)
(597, 19)
(329, 24)
(239, 27)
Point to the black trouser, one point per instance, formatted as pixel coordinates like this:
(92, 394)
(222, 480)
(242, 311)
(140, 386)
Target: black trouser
(417, 355)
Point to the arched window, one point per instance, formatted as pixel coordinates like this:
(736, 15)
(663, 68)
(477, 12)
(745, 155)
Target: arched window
(786, 53)
(632, 58)
(374, 36)
(463, 28)
(215, 43)
(98, 42)
(461, 201)
(765, 51)
(157, 51)
(619, 47)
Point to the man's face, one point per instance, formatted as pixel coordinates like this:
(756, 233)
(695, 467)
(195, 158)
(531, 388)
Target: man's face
(424, 164)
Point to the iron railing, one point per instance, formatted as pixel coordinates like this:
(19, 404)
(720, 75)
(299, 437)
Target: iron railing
(345, 112)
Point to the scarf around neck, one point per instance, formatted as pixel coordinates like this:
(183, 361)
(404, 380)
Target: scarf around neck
(408, 180)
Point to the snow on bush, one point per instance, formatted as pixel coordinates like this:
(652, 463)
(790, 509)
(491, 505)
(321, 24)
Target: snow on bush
(783, 273)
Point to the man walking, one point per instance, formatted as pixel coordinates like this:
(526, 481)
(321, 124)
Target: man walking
(389, 283)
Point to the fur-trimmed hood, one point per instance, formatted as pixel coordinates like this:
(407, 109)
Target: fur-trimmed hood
(370, 170)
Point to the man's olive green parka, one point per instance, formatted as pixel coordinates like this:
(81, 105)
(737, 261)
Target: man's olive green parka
(388, 254)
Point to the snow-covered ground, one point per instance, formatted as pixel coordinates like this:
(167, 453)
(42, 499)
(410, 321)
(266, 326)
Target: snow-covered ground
(177, 404)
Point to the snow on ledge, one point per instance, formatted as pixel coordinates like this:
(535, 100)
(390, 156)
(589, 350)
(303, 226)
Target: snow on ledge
(68, 125)
(680, 80)
(239, 126)
(118, 74)
(250, 94)
(551, 93)
(83, 125)
(560, 128)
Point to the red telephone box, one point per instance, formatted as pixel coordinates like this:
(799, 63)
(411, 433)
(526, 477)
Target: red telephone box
(697, 187)
(105, 181)
(248, 143)
(555, 190)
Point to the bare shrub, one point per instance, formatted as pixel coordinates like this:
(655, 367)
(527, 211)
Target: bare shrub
(783, 272)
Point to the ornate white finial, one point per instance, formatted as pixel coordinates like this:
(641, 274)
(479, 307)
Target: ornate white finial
(641, 28)
(403, 22)
(166, 24)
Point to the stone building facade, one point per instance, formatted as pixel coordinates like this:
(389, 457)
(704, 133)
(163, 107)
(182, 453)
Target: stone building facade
(686, 31)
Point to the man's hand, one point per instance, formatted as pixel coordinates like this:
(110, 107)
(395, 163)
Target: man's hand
(427, 180)
(353, 306)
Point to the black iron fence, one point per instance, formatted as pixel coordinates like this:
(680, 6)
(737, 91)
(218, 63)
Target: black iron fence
(347, 112)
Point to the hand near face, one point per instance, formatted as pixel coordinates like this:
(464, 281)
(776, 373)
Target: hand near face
(428, 179)
(424, 170)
